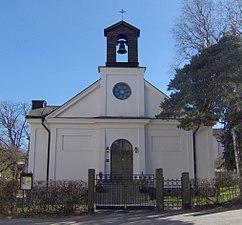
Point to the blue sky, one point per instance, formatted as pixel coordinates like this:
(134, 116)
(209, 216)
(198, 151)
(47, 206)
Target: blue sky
(51, 49)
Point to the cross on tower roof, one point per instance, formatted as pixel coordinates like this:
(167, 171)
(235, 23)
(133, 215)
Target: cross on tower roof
(122, 12)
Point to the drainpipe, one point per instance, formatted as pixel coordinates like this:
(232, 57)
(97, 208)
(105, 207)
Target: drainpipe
(194, 153)
(48, 150)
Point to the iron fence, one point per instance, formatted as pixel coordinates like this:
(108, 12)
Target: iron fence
(206, 192)
(120, 192)
(172, 194)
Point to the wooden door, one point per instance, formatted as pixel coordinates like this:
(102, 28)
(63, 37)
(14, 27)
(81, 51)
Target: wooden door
(122, 158)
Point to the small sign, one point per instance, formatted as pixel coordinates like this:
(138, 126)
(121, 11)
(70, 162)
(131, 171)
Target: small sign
(26, 181)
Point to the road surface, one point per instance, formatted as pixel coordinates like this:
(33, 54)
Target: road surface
(206, 217)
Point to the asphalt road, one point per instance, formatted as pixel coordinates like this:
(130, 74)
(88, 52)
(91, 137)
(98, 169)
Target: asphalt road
(206, 217)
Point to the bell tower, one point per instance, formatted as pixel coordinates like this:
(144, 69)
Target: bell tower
(122, 82)
(122, 35)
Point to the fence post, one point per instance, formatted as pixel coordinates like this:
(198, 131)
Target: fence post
(186, 191)
(91, 186)
(159, 189)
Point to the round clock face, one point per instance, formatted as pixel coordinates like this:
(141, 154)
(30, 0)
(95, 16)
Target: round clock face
(121, 91)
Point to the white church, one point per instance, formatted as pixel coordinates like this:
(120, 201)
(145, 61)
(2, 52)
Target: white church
(111, 126)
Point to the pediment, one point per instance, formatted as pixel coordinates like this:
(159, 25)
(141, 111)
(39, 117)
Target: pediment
(84, 104)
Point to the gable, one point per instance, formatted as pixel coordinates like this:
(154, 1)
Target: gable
(152, 99)
(87, 103)
(84, 104)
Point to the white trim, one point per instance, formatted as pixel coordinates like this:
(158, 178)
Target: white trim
(121, 70)
(72, 120)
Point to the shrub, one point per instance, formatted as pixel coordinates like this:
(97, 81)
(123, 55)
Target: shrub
(8, 196)
(225, 178)
(57, 197)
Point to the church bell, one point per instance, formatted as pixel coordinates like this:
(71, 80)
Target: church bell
(121, 49)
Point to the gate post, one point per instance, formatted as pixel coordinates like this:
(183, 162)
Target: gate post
(186, 191)
(91, 186)
(159, 189)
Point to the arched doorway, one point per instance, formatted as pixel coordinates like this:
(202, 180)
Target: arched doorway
(122, 158)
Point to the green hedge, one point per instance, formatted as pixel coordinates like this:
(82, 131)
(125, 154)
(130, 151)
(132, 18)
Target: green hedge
(65, 197)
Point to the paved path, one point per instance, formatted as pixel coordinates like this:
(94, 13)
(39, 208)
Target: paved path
(207, 217)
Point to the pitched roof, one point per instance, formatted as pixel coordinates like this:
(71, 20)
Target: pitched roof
(41, 112)
(124, 24)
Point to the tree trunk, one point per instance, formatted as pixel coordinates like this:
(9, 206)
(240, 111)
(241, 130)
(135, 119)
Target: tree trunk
(236, 155)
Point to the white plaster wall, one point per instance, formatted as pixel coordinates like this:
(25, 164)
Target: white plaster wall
(218, 151)
(76, 151)
(81, 147)
(38, 152)
(205, 153)
(77, 146)
(169, 148)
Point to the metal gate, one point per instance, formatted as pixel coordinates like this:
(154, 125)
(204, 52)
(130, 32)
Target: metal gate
(120, 192)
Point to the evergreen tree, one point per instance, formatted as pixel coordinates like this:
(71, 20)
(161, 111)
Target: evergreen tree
(209, 89)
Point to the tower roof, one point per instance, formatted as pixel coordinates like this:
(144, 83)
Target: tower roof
(122, 24)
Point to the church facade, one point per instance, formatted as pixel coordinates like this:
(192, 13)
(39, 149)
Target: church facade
(111, 126)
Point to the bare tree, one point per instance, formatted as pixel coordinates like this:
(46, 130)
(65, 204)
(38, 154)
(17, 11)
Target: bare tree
(14, 136)
(12, 161)
(14, 130)
(202, 23)
(232, 16)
